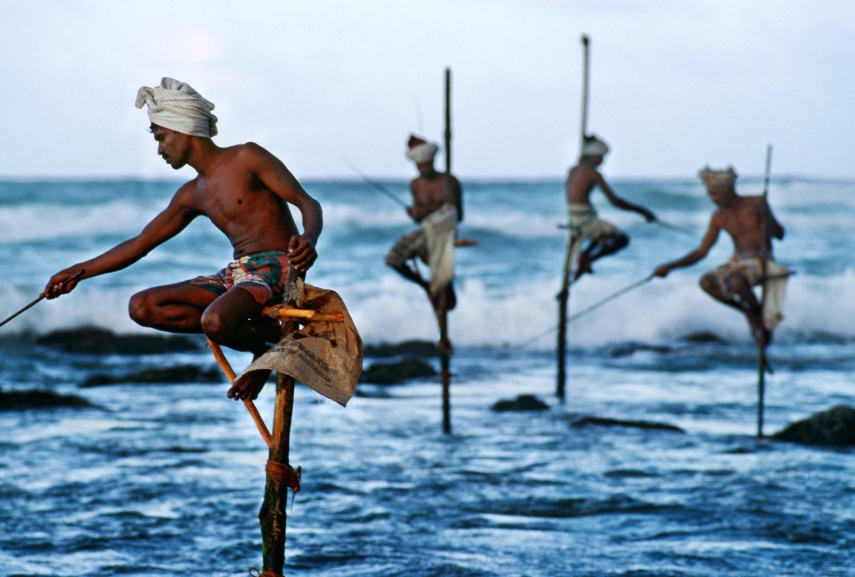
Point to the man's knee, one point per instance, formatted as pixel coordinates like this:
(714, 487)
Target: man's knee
(214, 325)
(142, 308)
(708, 285)
(620, 241)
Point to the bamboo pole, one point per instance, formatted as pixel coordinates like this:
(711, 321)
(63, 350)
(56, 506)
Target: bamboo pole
(280, 474)
(442, 309)
(227, 369)
(564, 293)
(761, 347)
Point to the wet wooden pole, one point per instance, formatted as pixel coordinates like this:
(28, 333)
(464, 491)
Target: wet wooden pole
(280, 474)
(564, 293)
(442, 308)
(761, 347)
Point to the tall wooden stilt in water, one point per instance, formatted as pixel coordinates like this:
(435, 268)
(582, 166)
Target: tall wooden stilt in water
(564, 293)
(280, 474)
(761, 346)
(442, 308)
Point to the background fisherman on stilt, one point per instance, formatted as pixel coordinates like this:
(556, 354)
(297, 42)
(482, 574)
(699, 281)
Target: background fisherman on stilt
(591, 237)
(750, 223)
(437, 208)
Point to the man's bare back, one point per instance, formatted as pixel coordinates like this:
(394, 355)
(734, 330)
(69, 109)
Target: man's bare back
(581, 181)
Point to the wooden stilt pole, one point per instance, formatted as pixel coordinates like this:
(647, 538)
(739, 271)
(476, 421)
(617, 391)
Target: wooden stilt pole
(280, 474)
(564, 293)
(442, 310)
(761, 347)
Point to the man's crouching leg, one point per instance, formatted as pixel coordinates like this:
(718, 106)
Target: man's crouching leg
(232, 320)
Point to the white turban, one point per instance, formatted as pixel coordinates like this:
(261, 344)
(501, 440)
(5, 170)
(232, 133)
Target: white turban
(175, 105)
(593, 146)
(420, 150)
(718, 178)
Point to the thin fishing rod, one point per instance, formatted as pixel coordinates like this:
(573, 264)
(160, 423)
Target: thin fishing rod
(41, 298)
(675, 228)
(589, 309)
(376, 185)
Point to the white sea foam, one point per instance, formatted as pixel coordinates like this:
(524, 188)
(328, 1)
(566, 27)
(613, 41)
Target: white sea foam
(393, 310)
(47, 221)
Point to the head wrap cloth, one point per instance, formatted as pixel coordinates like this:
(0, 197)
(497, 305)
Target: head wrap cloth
(593, 146)
(420, 150)
(175, 105)
(718, 178)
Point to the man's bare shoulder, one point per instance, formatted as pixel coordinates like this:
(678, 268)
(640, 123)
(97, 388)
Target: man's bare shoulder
(186, 193)
(583, 171)
(251, 152)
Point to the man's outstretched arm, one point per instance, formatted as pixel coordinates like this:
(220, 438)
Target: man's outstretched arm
(699, 253)
(621, 203)
(273, 173)
(164, 226)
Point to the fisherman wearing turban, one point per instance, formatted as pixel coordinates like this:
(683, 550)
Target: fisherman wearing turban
(436, 207)
(590, 237)
(750, 223)
(244, 190)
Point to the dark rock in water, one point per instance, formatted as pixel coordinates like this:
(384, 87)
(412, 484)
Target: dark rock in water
(521, 403)
(98, 341)
(36, 399)
(627, 349)
(408, 348)
(168, 375)
(834, 427)
(704, 337)
(605, 422)
(396, 373)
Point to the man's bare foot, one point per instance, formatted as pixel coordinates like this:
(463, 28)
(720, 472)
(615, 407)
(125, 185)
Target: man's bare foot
(583, 265)
(762, 336)
(248, 386)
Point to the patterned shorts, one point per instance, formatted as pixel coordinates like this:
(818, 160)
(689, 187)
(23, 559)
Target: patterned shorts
(262, 274)
(408, 246)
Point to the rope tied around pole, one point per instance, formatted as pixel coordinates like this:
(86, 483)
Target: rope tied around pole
(286, 474)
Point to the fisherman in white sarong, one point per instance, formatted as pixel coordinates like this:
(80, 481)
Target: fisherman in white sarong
(750, 223)
(437, 208)
(591, 237)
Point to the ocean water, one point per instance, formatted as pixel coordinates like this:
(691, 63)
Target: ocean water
(168, 479)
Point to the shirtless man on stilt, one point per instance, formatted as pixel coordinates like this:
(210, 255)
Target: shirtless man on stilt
(245, 191)
(429, 195)
(750, 223)
(598, 238)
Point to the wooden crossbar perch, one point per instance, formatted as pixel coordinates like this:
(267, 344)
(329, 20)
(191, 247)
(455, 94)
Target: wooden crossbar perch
(289, 313)
(223, 362)
(466, 242)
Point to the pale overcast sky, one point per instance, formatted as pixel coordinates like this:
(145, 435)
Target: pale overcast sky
(675, 84)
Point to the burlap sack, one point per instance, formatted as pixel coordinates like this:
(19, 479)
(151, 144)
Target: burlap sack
(324, 356)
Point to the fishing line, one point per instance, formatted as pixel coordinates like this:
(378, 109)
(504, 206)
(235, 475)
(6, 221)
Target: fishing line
(377, 186)
(589, 309)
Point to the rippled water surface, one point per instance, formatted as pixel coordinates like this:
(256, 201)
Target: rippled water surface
(168, 479)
